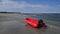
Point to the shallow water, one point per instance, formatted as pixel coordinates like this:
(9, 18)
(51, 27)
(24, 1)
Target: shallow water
(14, 24)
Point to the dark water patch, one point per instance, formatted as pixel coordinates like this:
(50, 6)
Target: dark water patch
(54, 17)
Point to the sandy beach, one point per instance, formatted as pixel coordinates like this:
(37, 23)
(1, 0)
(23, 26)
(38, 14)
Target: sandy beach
(14, 24)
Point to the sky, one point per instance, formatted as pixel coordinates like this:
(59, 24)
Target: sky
(30, 6)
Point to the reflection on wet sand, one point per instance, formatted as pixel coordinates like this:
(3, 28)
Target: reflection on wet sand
(38, 30)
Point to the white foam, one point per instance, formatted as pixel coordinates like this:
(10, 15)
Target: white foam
(52, 26)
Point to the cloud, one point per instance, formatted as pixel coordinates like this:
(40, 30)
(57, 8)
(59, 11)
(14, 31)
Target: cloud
(22, 6)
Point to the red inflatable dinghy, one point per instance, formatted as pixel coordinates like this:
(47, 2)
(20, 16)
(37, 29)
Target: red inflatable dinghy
(33, 22)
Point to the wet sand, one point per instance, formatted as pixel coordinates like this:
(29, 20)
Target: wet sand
(14, 24)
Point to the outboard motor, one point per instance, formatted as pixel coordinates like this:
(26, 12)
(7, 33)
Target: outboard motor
(40, 23)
